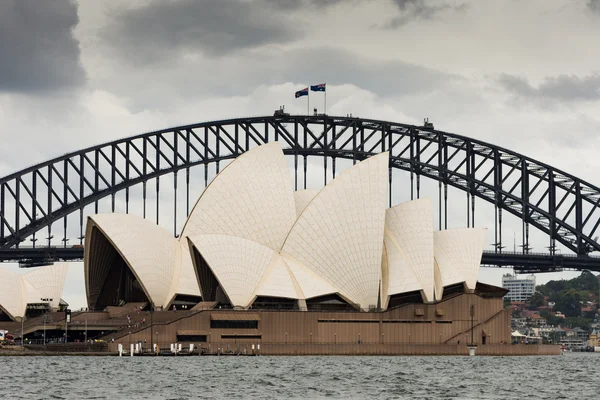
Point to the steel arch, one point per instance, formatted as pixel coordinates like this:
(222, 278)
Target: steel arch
(562, 206)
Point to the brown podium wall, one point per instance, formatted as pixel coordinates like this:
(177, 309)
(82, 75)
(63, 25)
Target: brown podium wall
(398, 330)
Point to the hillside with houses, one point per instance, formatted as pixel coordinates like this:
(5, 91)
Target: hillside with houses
(561, 312)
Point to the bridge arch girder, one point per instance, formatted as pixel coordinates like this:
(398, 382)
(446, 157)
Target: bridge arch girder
(560, 205)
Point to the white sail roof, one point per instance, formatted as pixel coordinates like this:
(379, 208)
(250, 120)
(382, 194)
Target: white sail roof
(409, 247)
(303, 198)
(458, 255)
(238, 264)
(309, 283)
(13, 297)
(32, 295)
(279, 282)
(48, 283)
(251, 198)
(339, 236)
(188, 281)
(150, 251)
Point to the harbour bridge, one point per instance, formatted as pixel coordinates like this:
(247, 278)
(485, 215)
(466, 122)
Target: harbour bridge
(564, 208)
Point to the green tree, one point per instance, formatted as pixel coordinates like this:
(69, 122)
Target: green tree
(536, 301)
(580, 322)
(569, 303)
(586, 282)
(554, 320)
(543, 289)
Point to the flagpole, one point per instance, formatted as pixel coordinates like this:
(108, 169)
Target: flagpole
(308, 101)
(325, 101)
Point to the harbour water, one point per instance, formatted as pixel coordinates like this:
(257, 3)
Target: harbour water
(572, 376)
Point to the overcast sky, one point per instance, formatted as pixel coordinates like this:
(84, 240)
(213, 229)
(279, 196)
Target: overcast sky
(517, 73)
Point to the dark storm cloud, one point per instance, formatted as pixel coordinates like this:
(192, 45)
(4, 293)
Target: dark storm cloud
(594, 5)
(159, 29)
(37, 48)
(412, 10)
(561, 87)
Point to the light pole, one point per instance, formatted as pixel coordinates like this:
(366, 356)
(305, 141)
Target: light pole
(151, 323)
(472, 321)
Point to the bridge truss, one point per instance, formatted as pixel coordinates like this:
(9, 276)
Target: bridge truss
(558, 204)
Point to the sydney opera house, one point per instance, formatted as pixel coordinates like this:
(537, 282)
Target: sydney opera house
(31, 293)
(260, 263)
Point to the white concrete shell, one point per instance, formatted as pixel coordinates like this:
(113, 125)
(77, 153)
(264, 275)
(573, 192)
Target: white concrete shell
(13, 295)
(438, 284)
(279, 282)
(150, 251)
(188, 281)
(309, 283)
(251, 198)
(32, 295)
(409, 247)
(302, 198)
(458, 255)
(238, 264)
(48, 283)
(339, 236)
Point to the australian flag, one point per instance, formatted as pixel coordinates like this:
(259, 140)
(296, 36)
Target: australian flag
(318, 88)
(303, 92)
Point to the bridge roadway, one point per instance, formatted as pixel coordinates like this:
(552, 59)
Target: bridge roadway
(522, 263)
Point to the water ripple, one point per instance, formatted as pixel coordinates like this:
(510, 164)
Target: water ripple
(564, 377)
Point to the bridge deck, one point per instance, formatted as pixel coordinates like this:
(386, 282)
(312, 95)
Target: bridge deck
(523, 263)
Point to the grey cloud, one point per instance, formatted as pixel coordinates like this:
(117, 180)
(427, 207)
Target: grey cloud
(594, 5)
(37, 48)
(160, 30)
(561, 87)
(220, 77)
(385, 78)
(296, 4)
(411, 10)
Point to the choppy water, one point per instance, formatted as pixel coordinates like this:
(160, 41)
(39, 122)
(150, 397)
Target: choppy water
(573, 376)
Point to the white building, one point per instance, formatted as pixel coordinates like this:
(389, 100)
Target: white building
(520, 289)
(40, 287)
(250, 238)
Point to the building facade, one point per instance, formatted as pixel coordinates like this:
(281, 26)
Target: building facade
(520, 289)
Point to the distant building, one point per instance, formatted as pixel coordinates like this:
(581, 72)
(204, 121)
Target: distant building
(594, 338)
(579, 333)
(520, 289)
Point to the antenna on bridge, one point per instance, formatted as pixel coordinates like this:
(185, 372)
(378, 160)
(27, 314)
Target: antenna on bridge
(281, 112)
(427, 124)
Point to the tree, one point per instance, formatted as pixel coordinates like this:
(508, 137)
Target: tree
(543, 289)
(586, 282)
(553, 320)
(568, 303)
(580, 322)
(536, 301)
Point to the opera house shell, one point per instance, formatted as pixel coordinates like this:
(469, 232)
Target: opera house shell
(39, 288)
(251, 241)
